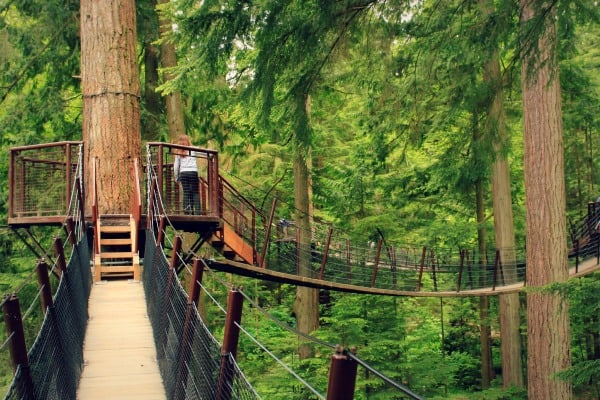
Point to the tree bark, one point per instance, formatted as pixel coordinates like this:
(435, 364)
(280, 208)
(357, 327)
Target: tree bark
(484, 303)
(510, 322)
(110, 90)
(153, 100)
(547, 312)
(306, 303)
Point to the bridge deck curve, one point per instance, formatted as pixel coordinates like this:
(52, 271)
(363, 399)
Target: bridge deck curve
(587, 267)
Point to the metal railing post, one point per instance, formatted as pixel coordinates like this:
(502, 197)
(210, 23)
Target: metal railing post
(268, 233)
(18, 348)
(434, 276)
(460, 270)
(230, 344)
(59, 253)
(342, 376)
(70, 231)
(68, 176)
(421, 268)
(44, 282)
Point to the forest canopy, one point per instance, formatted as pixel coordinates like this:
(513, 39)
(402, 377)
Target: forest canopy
(382, 112)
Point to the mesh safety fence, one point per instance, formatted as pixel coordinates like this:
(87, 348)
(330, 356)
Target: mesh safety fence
(189, 356)
(56, 357)
(33, 168)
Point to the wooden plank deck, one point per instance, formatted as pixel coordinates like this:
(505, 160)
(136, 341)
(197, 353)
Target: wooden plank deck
(119, 352)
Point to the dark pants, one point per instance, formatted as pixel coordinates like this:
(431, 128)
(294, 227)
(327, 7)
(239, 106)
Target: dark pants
(191, 195)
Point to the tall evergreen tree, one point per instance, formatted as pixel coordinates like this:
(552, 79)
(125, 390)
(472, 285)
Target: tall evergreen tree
(548, 331)
(111, 112)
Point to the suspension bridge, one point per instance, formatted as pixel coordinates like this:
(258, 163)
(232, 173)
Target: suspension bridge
(106, 336)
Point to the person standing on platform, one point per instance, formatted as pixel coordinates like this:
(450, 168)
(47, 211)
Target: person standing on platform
(186, 172)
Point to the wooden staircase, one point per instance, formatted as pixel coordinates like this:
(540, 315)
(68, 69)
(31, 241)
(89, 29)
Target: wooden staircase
(231, 245)
(116, 247)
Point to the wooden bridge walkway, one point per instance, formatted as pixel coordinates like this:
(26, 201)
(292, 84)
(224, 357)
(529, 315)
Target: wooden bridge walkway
(119, 352)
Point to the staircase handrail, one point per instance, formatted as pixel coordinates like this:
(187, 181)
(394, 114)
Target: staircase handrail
(136, 207)
(94, 205)
(226, 186)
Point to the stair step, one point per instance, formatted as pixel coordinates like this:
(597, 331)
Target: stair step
(118, 268)
(115, 241)
(116, 254)
(114, 217)
(115, 228)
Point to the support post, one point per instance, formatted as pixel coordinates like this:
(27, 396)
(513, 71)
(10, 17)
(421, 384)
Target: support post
(160, 238)
(18, 348)
(432, 254)
(59, 252)
(70, 229)
(175, 255)
(421, 268)
(342, 376)
(68, 175)
(393, 267)
(268, 233)
(230, 343)
(44, 282)
(214, 186)
(460, 270)
(195, 284)
(150, 210)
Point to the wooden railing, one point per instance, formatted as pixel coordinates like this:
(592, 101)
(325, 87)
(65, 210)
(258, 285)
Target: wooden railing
(136, 206)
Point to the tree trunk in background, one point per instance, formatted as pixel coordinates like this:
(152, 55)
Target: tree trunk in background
(548, 331)
(510, 322)
(305, 306)
(484, 302)
(306, 303)
(168, 59)
(153, 100)
(110, 91)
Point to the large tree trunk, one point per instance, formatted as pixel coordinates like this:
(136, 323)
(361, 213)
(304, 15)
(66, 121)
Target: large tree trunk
(548, 314)
(110, 90)
(510, 340)
(306, 304)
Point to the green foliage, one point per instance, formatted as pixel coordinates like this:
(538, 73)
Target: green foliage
(397, 105)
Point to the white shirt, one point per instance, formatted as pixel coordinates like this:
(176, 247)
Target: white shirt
(185, 164)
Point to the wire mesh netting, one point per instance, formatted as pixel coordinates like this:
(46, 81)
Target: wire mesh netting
(584, 234)
(42, 178)
(56, 357)
(189, 356)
